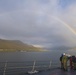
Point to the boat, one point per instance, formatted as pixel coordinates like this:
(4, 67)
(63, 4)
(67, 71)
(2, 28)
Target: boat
(33, 71)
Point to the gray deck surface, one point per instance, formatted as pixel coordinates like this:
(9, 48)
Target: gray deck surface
(62, 72)
(55, 72)
(58, 72)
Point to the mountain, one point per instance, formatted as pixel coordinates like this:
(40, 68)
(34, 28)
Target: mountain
(16, 45)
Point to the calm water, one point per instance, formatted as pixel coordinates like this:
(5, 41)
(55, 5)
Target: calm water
(31, 56)
(22, 59)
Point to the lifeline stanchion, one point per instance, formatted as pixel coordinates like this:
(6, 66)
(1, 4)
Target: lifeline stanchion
(50, 64)
(5, 68)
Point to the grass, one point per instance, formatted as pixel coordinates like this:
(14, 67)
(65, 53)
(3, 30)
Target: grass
(16, 45)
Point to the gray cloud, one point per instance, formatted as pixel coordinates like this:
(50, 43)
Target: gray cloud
(33, 22)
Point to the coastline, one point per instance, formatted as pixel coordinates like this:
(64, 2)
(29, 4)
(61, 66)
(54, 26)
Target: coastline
(15, 50)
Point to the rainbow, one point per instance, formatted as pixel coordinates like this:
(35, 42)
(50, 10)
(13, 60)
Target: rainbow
(69, 27)
(56, 18)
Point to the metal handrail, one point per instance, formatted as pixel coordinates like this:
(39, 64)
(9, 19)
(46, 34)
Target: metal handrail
(15, 69)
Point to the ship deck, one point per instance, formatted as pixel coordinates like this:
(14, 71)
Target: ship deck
(55, 71)
(21, 69)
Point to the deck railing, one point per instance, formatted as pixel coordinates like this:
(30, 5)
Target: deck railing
(21, 68)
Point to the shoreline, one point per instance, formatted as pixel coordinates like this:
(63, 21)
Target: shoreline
(13, 50)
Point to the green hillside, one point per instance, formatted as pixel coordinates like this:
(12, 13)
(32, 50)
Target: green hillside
(16, 45)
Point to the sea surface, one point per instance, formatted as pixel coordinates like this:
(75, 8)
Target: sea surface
(19, 63)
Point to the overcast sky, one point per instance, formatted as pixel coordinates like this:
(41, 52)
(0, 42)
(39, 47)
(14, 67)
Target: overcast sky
(45, 23)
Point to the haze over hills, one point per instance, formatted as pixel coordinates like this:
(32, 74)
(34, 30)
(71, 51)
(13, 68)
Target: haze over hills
(16, 45)
(62, 48)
